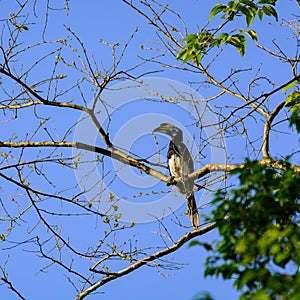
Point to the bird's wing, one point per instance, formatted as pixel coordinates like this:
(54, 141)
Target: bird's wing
(180, 164)
(187, 161)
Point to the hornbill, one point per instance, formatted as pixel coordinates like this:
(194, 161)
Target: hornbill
(181, 164)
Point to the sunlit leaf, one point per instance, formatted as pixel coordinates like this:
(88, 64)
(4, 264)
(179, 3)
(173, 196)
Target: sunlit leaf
(270, 11)
(288, 86)
(217, 9)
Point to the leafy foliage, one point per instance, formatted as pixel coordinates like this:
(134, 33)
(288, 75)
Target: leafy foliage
(197, 45)
(203, 296)
(259, 220)
(293, 101)
(260, 236)
(248, 8)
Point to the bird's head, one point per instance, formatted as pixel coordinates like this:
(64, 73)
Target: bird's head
(174, 132)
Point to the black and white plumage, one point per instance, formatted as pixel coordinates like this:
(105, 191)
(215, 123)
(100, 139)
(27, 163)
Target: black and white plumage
(181, 164)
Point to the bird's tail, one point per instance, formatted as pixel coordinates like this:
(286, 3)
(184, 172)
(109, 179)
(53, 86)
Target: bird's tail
(193, 211)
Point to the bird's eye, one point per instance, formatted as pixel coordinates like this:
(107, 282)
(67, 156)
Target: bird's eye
(174, 131)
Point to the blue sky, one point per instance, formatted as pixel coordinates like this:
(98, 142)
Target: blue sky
(114, 22)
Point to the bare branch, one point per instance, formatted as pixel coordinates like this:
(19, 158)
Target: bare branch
(183, 240)
(5, 279)
(267, 129)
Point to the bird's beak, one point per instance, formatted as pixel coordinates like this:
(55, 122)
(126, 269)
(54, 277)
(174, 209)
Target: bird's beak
(162, 128)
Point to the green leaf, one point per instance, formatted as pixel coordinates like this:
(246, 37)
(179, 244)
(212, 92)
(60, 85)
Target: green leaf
(243, 9)
(289, 86)
(195, 243)
(231, 4)
(239, 42)
(223, 37)
(20, 27)
(188, 56)
(112, 196)
(272, 2)
(281, 259)
(204, 296)
(292, 99)
(261, 295)
(191, 38)
(260, 14)
(207, 246)
(181, 53)
(217, 9)
(251, 33)
(246, 277)
(274, 249)
(249, 3)
(249, 19)
(270, 11)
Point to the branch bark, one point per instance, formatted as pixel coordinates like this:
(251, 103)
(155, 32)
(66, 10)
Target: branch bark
(183, 240)
(267, 130)
(127, 159)
(114, 153)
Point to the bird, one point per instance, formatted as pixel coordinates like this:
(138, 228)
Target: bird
(180, 164)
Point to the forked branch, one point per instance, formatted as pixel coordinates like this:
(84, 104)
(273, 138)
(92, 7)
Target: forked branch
(182, 241)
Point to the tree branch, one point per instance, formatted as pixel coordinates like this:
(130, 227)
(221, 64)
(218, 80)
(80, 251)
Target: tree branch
(5, 279)
(107, 278)
(208, 168)
(267, 129)
(113, 153)
(40, 98)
